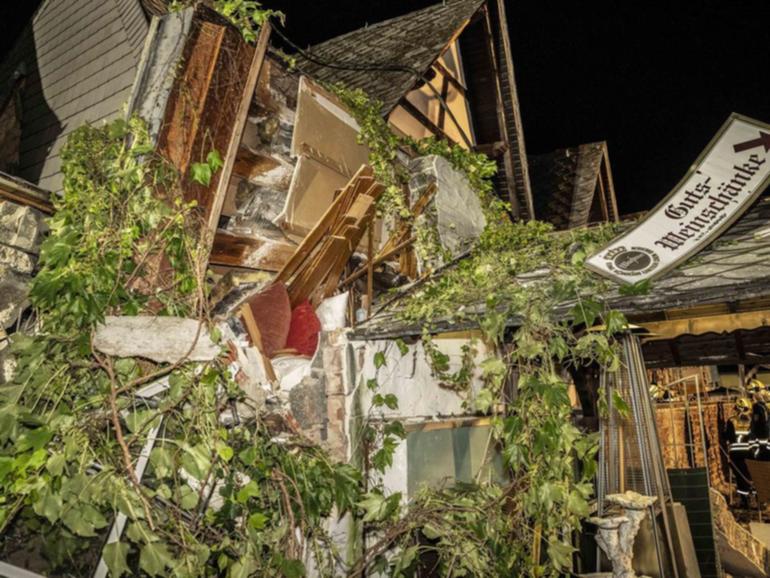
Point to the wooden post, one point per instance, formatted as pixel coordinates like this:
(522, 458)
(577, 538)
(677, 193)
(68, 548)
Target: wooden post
(369, 268)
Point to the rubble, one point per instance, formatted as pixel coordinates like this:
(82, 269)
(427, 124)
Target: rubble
(14, 288)
(160, 339)
(21, 227)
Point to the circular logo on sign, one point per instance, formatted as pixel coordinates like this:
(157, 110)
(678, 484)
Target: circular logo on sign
(633, 260)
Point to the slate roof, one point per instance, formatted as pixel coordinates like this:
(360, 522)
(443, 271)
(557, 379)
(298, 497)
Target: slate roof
(736, 267)
(80, 59)
(413, 40)
(564, 183)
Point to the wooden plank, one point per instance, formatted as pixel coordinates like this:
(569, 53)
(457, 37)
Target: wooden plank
(376, 261)
(256, 339)
(247, 93)
(188, 95)
(311, 240)
(298, 292)
(324, 225)
(239, 251)
(369, 270)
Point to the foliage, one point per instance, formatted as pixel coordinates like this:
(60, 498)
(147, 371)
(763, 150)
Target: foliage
(109, 230)
(72, 423)
(246, 15)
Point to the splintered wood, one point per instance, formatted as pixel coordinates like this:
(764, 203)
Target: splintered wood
(314, 271)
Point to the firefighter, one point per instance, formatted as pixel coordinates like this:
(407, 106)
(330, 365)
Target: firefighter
(760, 426)
(737, 434)
(661, 393)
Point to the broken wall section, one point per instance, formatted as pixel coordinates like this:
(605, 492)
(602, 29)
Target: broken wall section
(21, 233)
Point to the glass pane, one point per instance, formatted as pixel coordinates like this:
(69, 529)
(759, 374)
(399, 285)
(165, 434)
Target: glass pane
(444, 456)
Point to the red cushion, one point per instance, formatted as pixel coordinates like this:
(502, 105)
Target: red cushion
(272, 312)
(305, 326)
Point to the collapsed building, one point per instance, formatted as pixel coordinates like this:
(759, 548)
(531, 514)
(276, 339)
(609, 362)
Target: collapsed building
(303, 264)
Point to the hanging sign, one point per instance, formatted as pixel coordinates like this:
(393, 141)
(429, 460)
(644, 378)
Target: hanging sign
(726, 178)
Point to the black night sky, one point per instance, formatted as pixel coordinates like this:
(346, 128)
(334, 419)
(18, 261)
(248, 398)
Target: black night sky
(656, 80)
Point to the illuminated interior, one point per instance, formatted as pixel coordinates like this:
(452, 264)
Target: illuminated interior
(427, 116)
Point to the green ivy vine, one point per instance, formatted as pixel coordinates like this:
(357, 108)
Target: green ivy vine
(535, 328)
(72, 423)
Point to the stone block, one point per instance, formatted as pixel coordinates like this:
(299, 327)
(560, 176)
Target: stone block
(21, 227)
(454, 210)
(16, 260)
(14, 289)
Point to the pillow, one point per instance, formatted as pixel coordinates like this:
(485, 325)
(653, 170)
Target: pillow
(272, 312)
(305, 326)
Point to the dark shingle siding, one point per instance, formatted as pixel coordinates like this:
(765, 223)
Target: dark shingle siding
(414, 40)
(564, 184)
(81, 58)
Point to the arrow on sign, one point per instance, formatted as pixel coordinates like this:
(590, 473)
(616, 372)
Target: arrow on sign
(763, 140)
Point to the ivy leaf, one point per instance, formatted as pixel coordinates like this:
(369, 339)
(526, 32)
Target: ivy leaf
(201, 173)
(196, 461)
(258, 520)
(395, 428)
(214, 160)
(83, 520)
(615, 322)
(250, 490)
(48, 505)
(34, 439)
(379, 359)
(224, 451)
(55, 464)
(153, 559)
(162, 462)
(371, 384)
(391, 401)
(484, 400)
(620, 404)
(6, 466)
(638, 288)
(292, 568)
(560, 554)
(403, 348)
(115, 554)
(188, 499)
(586, 312)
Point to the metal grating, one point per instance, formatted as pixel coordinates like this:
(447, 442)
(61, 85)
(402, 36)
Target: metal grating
(629, 451)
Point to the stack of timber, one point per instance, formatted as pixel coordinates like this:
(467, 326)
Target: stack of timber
(314, 271)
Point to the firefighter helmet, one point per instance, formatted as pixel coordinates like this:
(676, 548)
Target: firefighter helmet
(755, 385)
(743, 405)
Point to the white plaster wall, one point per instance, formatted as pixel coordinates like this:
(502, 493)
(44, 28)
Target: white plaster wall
(409, 378)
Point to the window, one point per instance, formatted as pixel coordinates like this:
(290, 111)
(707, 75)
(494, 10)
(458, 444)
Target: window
(437, 457)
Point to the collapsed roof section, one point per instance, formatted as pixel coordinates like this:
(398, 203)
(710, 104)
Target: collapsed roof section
(386, 59)
(444, 71)
(728, 278)
(573, 187)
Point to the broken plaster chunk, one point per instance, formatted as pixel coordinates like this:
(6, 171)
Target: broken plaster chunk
(160, 339)
(455, 208)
